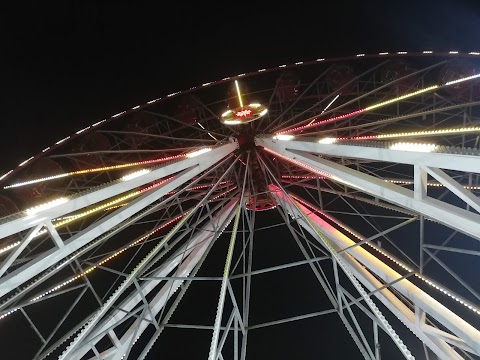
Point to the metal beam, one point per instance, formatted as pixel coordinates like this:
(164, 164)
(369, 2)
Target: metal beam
(357, 255)
(15, 224)
(455, 187)
(201, 239)
(51, 257)
(303, 217)
(214, 351)
(447, 214)
(459, 162)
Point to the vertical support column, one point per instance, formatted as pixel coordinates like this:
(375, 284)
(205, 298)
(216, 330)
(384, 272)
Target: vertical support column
(376, 343)
(419, 182)
(235, 339)
(422, 239)
(246, 301)
(226, 273)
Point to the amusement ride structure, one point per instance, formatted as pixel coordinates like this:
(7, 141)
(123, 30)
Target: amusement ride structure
(330, 204)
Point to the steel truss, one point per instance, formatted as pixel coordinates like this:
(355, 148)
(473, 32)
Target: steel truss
(327, 202)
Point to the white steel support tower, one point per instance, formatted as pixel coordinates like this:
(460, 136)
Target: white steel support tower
(317, 209)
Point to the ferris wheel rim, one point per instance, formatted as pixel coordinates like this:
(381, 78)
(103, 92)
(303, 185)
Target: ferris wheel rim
(359, 56)
(119, 115)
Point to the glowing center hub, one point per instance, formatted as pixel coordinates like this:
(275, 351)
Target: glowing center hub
(243, 113)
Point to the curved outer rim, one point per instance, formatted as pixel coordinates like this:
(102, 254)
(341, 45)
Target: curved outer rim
(360, 56)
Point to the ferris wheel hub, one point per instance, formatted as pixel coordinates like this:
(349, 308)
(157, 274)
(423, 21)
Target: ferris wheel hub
(243, 114)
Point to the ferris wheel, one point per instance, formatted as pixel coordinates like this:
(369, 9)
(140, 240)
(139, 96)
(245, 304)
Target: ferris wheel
(330, 204)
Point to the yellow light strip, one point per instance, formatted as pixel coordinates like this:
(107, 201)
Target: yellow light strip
(238, 93)
(396, 261)
(9, 247)
(197, 152)
(403, 146)
(371, 107)
(105, 260)
(432, 132)
(104, 206)
(48, 205)
(88, 171)
(407, 182)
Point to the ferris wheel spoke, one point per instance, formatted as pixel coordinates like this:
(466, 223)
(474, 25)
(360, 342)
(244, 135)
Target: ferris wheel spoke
(182, 263)
(163, 321)
(103, 232)
(184, 125)
(356, 255)
(58, 208)
(169, 219)
(144, 264)
(51, 257)
(326, 111)
(215, 117)
(99, 264)
(368, 219)
(381, 251)
(214, 350)
(302, 95)
(349, 194)
(358, 336)
(430, 130)
(335, 298)
(378, 105)
(111, 168)
(270, 100)
(412, 200)
(174, 140)
(28, 270)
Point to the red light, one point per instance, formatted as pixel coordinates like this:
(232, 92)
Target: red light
(243, 113)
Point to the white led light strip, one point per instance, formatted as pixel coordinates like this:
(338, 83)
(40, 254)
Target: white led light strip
(462, 130)
(100, 263)
(388, 328)
(105, 260)
(298, 63)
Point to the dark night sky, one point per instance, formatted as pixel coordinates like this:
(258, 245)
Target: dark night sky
(65, 65)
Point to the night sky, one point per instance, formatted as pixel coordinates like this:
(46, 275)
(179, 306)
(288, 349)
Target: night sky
(64, 66)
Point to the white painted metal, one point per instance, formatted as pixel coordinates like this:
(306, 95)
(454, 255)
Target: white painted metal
(358, 258)
(459, 162)
(185, 258)
(200, 162)
(51, 257)
(299, 214)
(454, 187)
(349, 255)
(132, 276)
(447, 214)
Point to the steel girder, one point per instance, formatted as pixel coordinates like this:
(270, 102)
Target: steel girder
(465, 221)
(182, 263)
(359, 261)
(185, 170)
(16, 224)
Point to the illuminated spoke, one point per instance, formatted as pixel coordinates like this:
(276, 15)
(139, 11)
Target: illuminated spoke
(342, 189)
